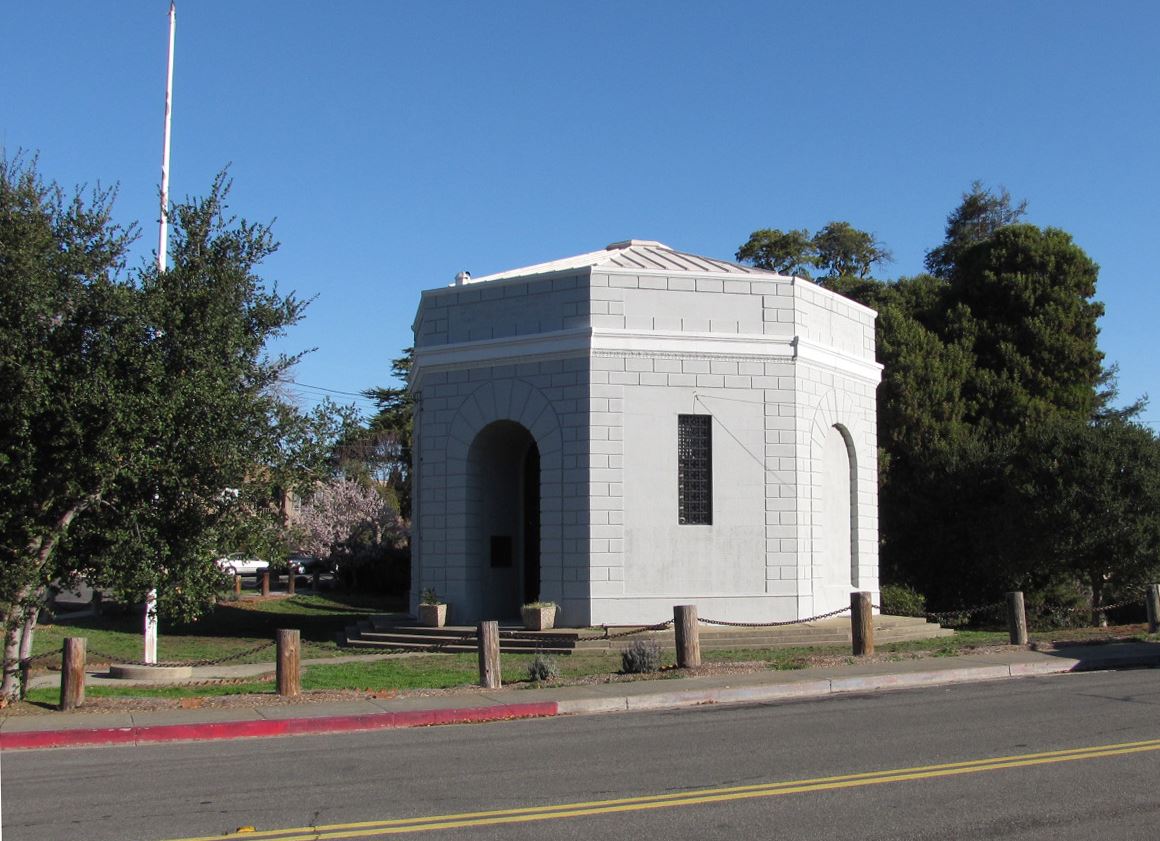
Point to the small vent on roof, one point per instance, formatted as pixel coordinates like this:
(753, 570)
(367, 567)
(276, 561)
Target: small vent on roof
(462, 278)
(628, 243)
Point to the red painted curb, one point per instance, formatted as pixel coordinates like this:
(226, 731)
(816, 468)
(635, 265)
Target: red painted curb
(265, 728)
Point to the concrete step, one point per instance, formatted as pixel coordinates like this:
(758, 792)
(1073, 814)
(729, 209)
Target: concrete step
(427, 641)
(450, 648)
(387, 632)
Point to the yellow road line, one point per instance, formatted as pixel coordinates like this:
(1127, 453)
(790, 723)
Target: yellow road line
(365, 829)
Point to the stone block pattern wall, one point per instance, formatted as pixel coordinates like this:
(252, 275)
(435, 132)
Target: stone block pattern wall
(501, 309)
(830, 396)
(823, 318)
(550, 399)
(605, 422)
(734, 577)
(744, 567)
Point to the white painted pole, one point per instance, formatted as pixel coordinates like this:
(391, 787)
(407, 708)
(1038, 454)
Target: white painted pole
(163, 238)
(162, 250)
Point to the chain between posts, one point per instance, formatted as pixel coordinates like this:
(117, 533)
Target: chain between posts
(93, 654)
(1088, 609)
(966, 613)
(781, 624)
(963, 614)
(604, 635)
(48, 656)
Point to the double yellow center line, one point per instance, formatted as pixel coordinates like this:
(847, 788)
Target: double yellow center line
(368, 829)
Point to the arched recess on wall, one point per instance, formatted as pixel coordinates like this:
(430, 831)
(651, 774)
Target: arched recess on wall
(834, 501)
(844, 460)
(481, 419)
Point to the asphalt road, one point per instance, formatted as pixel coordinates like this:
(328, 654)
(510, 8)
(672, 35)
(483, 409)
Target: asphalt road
(760, 771)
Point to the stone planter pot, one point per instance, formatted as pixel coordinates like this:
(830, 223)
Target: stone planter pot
(538, 618)
(433, 615)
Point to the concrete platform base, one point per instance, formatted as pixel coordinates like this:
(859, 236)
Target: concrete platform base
(145, 673)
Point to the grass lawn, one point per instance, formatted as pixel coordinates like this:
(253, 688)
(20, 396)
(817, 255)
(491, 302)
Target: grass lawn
(231, 628)
(446, 671)
(237, 627)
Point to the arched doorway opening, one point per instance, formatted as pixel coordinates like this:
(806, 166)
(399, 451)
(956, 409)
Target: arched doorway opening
(503, 465)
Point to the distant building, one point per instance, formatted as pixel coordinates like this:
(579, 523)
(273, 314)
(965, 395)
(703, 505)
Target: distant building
(637, 427)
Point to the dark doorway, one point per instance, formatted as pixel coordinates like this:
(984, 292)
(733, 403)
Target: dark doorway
(531, 512)
(503, 494)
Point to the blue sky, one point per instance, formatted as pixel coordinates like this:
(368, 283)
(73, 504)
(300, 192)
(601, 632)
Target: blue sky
(394, 144)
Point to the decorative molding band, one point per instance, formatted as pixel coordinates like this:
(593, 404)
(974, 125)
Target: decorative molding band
(828, 358)
(606, 342)
(659, 343)
(508, 350)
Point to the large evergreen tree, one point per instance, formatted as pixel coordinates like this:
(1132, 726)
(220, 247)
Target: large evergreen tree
(839, 249)
(141, 432)
(992, 385)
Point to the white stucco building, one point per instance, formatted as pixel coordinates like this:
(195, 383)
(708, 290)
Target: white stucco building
(637, 427)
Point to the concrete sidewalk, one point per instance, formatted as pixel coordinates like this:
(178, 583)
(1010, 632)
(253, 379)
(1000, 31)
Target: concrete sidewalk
(75, 729)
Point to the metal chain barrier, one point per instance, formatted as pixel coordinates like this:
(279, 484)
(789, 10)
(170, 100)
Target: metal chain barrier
(961, 616)
(46, 657)
(1081, 608)
(439, 646)
(660, 626)
(100, 655)
(837, 612)
(565, 639)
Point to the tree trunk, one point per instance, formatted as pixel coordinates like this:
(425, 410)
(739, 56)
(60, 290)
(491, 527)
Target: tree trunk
(13, 624)
(30, 616)
(36, 556)
(1099, 618)
(8, 690)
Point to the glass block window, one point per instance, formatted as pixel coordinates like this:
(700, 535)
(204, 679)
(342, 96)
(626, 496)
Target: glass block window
(695, 470)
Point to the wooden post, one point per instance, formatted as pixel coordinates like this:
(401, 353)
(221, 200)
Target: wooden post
(266, 583)
(314, 581)
(489, 672)
(72, 673)
(1016, 618)
(237, 585)
(861, 624)
(290, 581)
(1153, 599)
(688, 635)
(289, 671)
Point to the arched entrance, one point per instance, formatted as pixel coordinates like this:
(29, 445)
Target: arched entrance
(503, 508)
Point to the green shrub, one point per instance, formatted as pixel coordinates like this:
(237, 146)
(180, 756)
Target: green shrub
(641, 657)
(543, 668)
(901, 600)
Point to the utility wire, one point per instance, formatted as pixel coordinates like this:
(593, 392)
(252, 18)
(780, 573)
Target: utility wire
(329, 390)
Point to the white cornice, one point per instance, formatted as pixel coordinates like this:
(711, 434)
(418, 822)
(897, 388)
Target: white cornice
(829, 358)
(700, 344)
(605, 341)
(574, 340)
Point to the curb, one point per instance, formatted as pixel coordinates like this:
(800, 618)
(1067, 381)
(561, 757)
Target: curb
(265, 728)
(794, 690)
(822, 687)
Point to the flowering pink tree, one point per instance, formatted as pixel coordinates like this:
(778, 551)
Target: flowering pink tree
(343, 513)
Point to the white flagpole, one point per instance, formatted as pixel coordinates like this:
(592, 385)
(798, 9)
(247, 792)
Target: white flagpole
(163, 240)
(162, 249)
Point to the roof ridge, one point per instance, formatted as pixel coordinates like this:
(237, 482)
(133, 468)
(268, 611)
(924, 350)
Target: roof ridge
(639, 254)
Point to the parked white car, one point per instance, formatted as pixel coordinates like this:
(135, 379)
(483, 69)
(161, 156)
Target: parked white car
(240, 564)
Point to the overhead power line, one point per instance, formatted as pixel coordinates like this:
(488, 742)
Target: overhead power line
(330, 390)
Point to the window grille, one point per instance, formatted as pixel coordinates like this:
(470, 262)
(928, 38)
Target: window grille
(695, 470)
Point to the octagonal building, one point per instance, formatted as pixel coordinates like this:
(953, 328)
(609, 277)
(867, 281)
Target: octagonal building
(637, 427)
